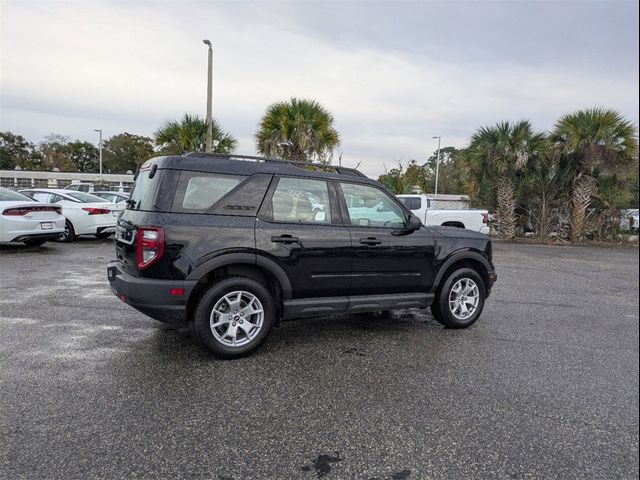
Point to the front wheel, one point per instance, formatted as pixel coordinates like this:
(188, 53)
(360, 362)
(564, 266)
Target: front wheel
(234, 317)
(460, 299)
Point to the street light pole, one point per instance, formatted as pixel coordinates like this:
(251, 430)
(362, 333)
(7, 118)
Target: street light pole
(100, 147)
(437, 169)
(207, 147)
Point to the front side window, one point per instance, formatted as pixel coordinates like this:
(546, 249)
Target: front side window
(301, 200)
(370, 207)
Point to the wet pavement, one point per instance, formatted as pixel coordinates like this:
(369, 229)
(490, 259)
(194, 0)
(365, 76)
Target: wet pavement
(545, 385)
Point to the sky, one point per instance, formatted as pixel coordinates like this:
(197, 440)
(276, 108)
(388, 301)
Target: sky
(393, 74)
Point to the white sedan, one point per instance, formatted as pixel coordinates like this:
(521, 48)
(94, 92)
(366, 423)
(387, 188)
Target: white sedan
(86, 214)
(24, 220)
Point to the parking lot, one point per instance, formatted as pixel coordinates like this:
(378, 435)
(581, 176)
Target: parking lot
(545, 385)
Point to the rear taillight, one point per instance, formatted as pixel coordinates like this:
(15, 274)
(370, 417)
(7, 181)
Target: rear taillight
(16, 212)
(485, 218)
(96, 211)
(150, 246)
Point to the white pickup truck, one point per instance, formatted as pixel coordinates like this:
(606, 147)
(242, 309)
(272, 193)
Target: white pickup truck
(424, 208)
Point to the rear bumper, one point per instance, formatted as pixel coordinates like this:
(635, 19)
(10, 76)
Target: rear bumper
(151, 297)
(485, 230)
(37, 236)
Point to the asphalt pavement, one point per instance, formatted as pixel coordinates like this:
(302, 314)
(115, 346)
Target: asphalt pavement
(544, 385)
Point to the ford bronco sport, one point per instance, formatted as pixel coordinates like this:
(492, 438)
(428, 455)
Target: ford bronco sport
(233, 244)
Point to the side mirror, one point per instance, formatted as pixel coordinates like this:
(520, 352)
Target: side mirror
(414, 223)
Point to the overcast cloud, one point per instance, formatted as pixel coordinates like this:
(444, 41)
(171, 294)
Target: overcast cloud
(394, 74)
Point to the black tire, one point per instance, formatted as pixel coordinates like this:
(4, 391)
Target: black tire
(441, 307)
(34, 242)
(103, 235)
(69, 234)
(201, 326)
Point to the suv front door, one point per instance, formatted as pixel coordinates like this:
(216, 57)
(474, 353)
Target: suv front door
(385, 258)
(300, 228)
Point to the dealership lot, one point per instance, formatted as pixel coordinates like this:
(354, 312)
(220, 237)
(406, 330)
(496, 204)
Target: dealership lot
(545, 385)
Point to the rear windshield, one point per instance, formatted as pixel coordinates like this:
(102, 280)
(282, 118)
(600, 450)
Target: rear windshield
(11, 196)
(141, 190)
(85, 197)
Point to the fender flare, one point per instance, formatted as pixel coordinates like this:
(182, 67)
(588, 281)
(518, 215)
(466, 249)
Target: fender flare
(457, 257)
(244, 259)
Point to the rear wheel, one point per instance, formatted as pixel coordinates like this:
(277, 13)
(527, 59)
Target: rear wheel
(69, 234)
(234, 317)
(460, 299)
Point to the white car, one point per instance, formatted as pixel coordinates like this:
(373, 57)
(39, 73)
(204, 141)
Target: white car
(24, 220)
(423, 207)
(86, 214)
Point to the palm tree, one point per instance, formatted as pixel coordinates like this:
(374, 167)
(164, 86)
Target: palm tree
(501, 151)
(300, 130)
(592, 140)
(189, 135)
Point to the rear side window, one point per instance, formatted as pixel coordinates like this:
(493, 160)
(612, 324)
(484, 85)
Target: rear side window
(299, 200)
(197, 192)
(412, 203)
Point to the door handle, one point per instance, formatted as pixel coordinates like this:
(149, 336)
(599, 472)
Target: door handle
(370, 241)
(285, 239)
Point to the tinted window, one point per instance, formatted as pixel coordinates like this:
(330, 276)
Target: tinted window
(197, 192)
(141, 191)
(412, 203)
(370, 207)
(302, 201)
(11, 196)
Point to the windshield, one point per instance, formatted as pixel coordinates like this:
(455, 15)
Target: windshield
(7, 195)
(85, 197)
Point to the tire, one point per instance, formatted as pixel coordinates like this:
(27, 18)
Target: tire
(103, 235)
(34, 243)
(221, 297)
(449, 311)
(69, 234)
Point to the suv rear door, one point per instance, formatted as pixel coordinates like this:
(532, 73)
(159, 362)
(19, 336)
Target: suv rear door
(299, 227)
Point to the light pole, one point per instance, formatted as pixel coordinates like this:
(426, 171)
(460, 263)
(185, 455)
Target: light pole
(100, 147)
(437, 170)
(207, 147)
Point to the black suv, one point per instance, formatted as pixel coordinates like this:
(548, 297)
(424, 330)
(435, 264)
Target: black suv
(233, 244)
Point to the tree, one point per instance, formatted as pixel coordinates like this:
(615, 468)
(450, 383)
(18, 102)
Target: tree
(189, 135)
(15, 151)
(394, 180)
(543, 191)
(451, 173)
(126, 152)
(83, 156)
(54, 153)
(502, 151)
(589, 141)
(299, 130)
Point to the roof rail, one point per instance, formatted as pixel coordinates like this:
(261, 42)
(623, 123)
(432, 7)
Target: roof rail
(340, 170)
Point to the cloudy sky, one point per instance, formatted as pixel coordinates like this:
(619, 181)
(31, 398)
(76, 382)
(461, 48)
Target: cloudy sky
(394, 74)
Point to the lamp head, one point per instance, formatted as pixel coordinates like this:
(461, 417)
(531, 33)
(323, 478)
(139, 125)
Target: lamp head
(208, 43)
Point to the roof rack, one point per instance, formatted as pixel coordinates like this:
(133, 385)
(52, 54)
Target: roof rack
(340, 170)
